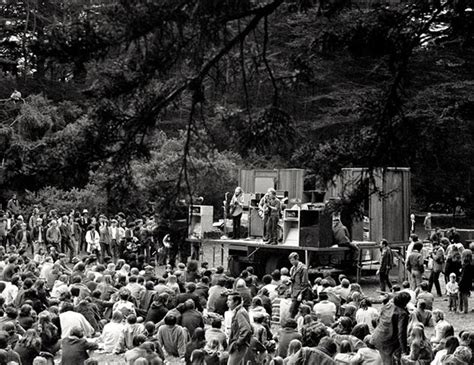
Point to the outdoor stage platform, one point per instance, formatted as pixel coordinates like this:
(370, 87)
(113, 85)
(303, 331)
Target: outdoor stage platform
(235, 255)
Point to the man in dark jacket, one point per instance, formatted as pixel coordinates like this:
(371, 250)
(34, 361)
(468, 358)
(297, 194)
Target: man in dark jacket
(386, 260)
(190, 294)
(75, 348)
(299, 282)
(191, 318)
(240, 330)
(158, 309)
(23, 238)
(465, 280)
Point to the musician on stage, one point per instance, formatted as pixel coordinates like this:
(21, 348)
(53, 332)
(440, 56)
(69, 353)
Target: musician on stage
(274, 210)
(264, 213)
(236, 209)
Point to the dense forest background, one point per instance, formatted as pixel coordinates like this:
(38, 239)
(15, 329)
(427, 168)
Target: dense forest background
(133, 104)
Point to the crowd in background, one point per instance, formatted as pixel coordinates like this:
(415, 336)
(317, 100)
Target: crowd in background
(143, 240)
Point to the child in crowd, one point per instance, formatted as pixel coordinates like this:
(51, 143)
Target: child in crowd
(452, 289)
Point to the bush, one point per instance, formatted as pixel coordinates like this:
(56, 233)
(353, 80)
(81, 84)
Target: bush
(65, 200)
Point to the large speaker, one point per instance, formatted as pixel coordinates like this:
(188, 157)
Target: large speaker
(307, 228)
(200, 220)
(255, 222)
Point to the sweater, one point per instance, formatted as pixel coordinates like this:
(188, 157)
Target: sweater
(173, 340)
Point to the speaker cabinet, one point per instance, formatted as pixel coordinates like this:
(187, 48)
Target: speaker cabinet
(256, 223)
(307, 228)
(200, 220)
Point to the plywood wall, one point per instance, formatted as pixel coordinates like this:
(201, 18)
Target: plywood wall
(291, 180)
(389, 200)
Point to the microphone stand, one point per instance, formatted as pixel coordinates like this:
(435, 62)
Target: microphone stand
(225, 236)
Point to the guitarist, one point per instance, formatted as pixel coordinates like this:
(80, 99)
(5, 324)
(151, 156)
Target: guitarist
(264, 213)
(236, 210)
(274, 210)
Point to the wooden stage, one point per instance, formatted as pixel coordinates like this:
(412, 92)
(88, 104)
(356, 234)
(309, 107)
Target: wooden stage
(218, 251)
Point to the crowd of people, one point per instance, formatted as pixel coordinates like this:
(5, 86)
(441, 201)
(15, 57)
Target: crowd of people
(67, 297)
(142, 240)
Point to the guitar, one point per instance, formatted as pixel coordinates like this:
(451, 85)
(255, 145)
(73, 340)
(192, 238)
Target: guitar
(264, 209)
(236, 204)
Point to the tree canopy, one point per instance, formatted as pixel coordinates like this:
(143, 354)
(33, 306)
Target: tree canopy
(150, 100)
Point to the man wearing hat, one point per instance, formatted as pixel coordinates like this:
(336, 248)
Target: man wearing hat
(84, 223)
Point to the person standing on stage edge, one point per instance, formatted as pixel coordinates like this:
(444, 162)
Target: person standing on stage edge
(299, 282)
(236, 210)
(274, 208)
(386, 261)
(264, 214)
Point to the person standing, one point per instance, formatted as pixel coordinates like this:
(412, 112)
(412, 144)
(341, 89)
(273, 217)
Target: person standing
(93, 241)
(386, 261)
(415, 265)
(427, 224)
(438, 262)
(264, 214)
(33, 221)
(274, 207)
(412, 220)
(53, 235)
(84, 222)
(66, 242)
(76, 234)
(465, 280)
(39, 235)
(14, 206)
(236, 210)
(390, 336)
(104, 237)
(23, 238)
(117, 233)
(240, 330)
(299, 282)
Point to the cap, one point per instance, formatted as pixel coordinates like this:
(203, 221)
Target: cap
(85, 211)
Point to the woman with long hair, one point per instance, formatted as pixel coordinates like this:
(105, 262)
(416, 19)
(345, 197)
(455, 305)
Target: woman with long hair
(420, 348)
(236, 209)
(293, 348)
(25, 318)
(448, 346)
(367, 314)
(198, 357)
(28, 347)
(198, 341)
(106, 287)
(48, 332)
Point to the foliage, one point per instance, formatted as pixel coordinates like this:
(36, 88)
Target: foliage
(211, 174)
(278, 83)
(66, 200)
